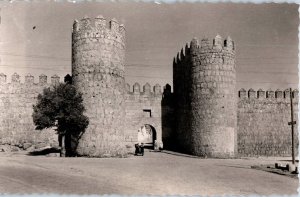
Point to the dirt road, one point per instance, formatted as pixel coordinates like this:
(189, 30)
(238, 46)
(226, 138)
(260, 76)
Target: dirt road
(155, 173)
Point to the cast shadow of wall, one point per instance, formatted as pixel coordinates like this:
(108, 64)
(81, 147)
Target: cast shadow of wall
(168, 119)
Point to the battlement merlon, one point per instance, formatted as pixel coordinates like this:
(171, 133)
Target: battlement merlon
(29, 79)
(98, 28)
(267, 95)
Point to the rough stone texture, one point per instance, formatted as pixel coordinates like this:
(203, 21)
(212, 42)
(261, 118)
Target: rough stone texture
(142, 108)
(98, 54)
(204, 88)
(16, 107)
(263, 123)
(202, 116)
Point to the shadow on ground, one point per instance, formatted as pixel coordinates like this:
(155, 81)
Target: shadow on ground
(179, 154)
(230, 166)
(44, 151)
(271, 169)
(287, 160)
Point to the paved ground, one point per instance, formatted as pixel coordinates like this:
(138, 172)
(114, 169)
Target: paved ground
(155, 173)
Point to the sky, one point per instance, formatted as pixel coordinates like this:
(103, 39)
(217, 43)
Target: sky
(265, 36)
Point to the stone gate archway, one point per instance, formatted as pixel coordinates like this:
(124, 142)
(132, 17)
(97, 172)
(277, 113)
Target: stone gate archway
(147, 135)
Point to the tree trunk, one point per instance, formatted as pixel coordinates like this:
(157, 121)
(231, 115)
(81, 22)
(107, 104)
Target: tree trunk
(62, 146)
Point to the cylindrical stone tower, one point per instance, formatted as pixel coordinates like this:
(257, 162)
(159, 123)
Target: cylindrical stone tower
(213, 99)
(207, 98)
(98, 52)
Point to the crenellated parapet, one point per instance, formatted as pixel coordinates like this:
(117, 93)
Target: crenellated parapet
(98, 48)
(28, 79)
(212, 65)
(219, 52)
(144, 91)
(218, 45)
(99, 28)
(263, 117)
(182, 55)
(267, 95)
(24, 86)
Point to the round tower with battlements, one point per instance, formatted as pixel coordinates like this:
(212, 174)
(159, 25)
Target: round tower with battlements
(208, 89)
(98, 52)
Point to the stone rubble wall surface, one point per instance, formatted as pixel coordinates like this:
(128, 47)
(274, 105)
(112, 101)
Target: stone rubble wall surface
(203, 116)
(205, 92)
(98, 52)
(263, 128)
(138, 107)
(17, 130)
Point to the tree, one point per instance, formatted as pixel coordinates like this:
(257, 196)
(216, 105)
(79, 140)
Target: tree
(61, 107)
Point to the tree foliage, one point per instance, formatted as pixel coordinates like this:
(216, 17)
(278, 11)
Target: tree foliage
(62, 107)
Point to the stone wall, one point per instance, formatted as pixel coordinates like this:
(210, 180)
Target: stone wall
(263, 118)
(168, 118)
(262, 128)
(182, 104)
(204, 88)
(17, 130)
(203, 116)
(141, 108)
(98, 52)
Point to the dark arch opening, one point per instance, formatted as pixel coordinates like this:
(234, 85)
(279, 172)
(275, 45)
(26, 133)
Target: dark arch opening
(147, 136)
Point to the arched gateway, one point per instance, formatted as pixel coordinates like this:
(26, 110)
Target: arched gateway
(147, 135)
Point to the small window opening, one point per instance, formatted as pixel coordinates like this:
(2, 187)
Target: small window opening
(147, 113)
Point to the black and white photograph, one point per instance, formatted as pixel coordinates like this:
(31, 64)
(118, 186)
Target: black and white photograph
(149, 98)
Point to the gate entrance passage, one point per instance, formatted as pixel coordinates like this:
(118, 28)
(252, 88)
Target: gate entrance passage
(147, 136)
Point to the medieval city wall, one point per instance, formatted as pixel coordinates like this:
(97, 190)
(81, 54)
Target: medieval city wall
(142, 107)
(17, 130)
(203, 116)
(262, 126)
(263, 118)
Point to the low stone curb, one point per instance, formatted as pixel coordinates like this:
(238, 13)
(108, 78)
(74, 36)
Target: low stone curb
(268, 168)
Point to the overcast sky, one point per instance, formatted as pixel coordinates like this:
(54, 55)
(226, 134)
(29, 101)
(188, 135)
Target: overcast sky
(265, 35)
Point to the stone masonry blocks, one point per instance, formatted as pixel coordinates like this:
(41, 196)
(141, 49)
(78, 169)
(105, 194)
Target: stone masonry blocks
(262, 124)
(98, 53)
(203, 116)
(16, 126)
(204, 86)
